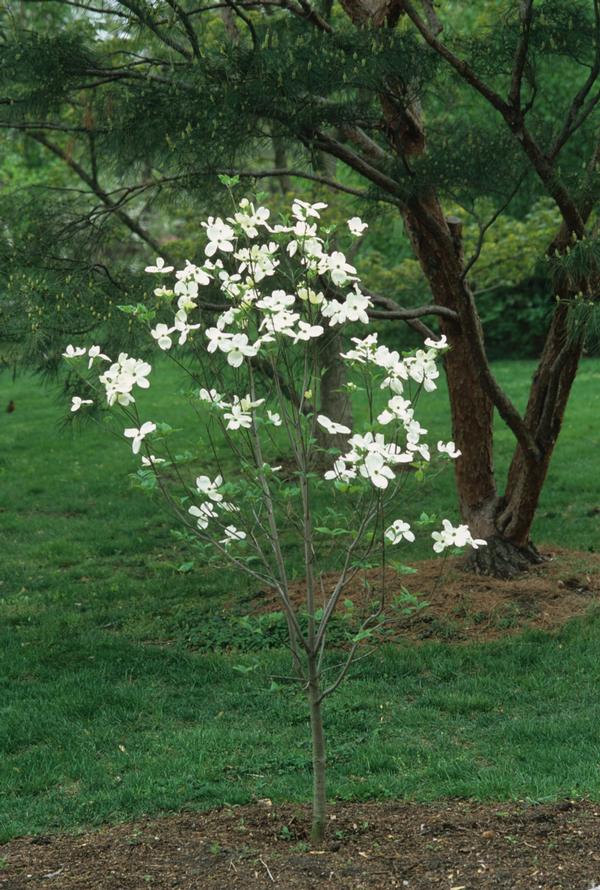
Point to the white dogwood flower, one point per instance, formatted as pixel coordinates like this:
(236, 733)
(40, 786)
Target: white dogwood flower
(138, 435)
(74, 351)
(76, 403)
(161, 334)
(339, 270)
(217, 339)
(237, 418)
(357, 226)
(376, 470)
(93, 353)
(203, 513)
(449, 448)
(212, 396)
(451, 536)
(306, 331)
(232, 534)
(399, 530)
(238, 348)
(341, 471)
(303, 210)
(210, 488)
(331, 426)
(159, 268)
(220, 236)
(442, 343)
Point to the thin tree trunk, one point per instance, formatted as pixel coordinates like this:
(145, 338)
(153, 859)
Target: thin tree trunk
(319, 804)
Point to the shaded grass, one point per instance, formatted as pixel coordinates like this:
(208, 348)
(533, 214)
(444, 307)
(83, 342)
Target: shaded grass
(89, 574)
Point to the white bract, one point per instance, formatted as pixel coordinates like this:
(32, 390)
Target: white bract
(138, 435)
(451, 536)
(208, 488)
(331, 426)
(398, 531)
(449, 448)
(232, 534)
(357, 226)
(76, 403)
(220, 236)
(93, 353)
(74, 351)
(162, 335)
(159, 267)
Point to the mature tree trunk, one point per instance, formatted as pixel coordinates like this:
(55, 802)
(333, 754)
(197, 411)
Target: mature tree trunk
(503, 521)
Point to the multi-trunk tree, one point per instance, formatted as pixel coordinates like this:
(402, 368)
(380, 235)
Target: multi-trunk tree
(417, 107)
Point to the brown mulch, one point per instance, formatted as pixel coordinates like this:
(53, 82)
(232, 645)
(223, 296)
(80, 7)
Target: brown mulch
(463, 606)
(452, 845)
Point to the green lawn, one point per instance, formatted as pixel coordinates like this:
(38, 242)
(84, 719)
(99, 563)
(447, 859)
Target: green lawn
(106, 712)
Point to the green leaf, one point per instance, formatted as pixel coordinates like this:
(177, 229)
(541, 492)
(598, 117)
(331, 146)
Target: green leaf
(228, 181)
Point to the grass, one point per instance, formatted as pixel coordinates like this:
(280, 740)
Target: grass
(106, 713)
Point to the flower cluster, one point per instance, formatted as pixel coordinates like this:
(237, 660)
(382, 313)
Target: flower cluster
(450, 536)
(267, 311)
(210, 509)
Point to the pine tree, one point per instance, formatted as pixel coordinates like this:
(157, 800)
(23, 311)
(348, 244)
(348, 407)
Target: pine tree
(405, 105)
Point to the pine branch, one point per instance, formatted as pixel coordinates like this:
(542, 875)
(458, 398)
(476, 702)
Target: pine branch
(127, 220)
(357, 163)
(145, 18)
(514, 96)
(515, 121)
(184, 19)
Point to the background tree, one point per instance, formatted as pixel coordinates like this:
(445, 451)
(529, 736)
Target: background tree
(144, 101)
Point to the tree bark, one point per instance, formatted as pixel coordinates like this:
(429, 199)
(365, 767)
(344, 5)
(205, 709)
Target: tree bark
(319, 805)
(334, 399)
(503, 521)
(440, 257)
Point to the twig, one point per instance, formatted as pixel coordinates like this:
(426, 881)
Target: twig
(262, 861)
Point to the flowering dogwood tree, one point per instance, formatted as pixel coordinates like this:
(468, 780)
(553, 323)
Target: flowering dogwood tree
(281, 286)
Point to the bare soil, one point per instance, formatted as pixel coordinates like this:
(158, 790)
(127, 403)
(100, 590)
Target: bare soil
(463, 607)
(452, 845)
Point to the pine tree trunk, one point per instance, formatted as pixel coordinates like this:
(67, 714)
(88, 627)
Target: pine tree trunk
(471, 408)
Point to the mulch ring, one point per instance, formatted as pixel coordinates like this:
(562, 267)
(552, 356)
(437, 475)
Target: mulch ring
(463, 606)
(452, 845)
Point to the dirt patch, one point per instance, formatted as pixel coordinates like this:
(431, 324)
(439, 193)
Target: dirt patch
(452, 845)
(463, 606)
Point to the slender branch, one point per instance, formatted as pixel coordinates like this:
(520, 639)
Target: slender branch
(571, 123)
(459, 65)
(515, 121)
(127, 220)
(146, 19)
(514, 95)
(358, 163)
(40, 125)
(410, 314)
(485, 228)
(184, 19)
